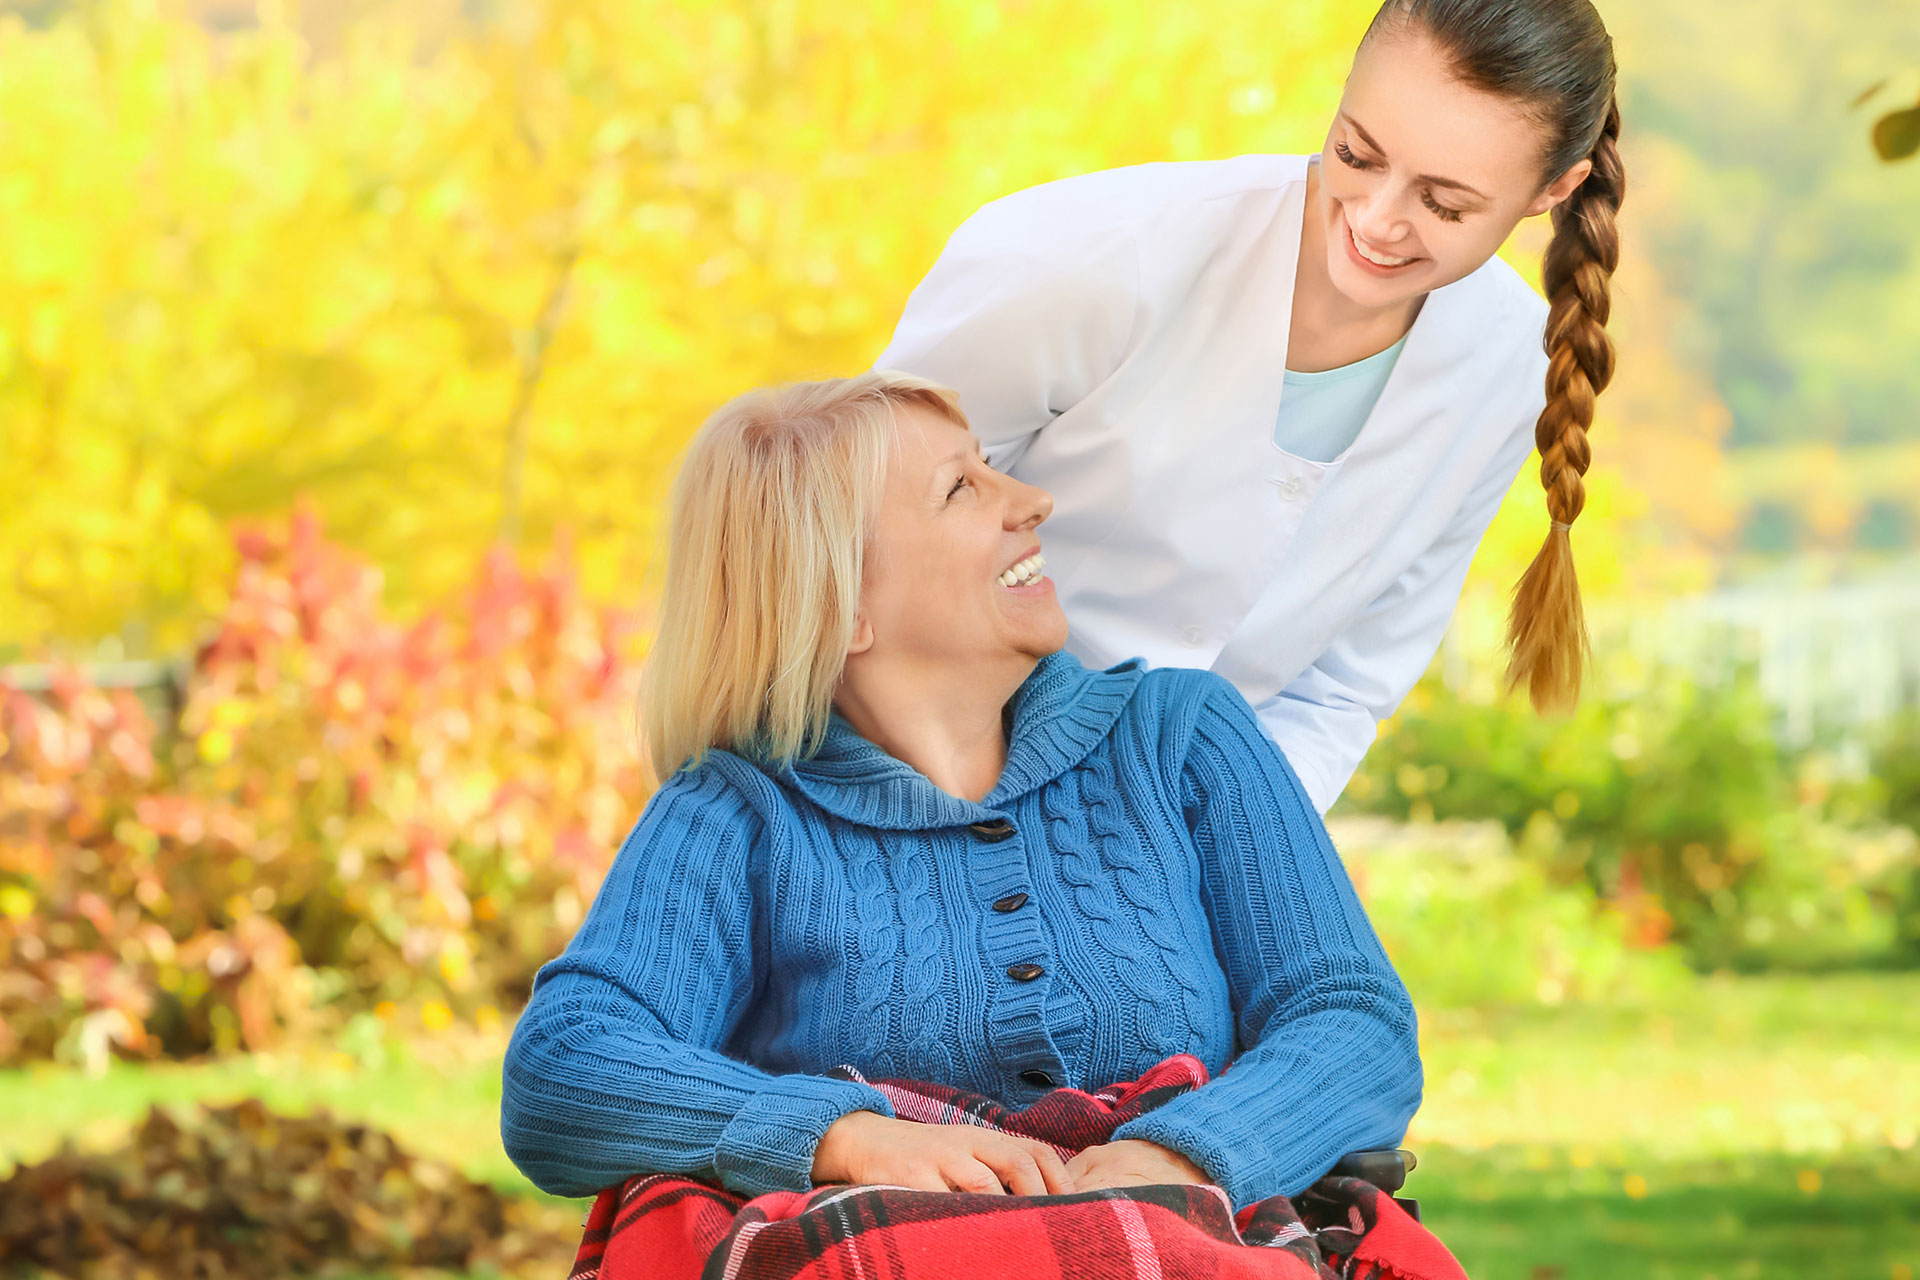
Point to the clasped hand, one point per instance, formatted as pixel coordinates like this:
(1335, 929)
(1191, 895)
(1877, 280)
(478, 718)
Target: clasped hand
(866, 1147)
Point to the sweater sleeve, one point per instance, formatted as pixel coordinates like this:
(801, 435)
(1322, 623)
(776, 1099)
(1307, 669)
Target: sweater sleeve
(614, 1068)
(1330, 1059)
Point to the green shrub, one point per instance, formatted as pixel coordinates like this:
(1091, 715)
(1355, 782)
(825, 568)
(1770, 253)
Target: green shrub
(1674, 805)
(1471, 922)
(1823, 897)
(1895, 768)
(1659, 802)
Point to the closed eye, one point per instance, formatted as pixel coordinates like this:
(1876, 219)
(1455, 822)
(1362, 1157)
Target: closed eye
(1446, 214)
(1349, 159)
(1353, 161)
(958, 485)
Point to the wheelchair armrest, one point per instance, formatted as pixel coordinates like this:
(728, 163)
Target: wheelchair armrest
(1385, 1169)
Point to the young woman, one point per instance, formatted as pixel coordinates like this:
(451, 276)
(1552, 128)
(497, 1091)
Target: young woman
(1278, 399)
(909, 835)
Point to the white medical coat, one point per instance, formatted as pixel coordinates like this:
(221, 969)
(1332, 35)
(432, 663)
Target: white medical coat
(1120, 339)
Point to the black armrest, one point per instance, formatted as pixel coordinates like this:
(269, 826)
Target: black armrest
(1385, 1169)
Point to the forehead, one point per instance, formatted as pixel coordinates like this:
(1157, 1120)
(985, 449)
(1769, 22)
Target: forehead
(925, 436)
(1402, 91)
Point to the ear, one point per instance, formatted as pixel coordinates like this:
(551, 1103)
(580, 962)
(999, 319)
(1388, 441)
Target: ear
(862, 635)
(1561, 188)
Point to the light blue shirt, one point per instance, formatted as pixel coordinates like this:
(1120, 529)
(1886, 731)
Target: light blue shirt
(1321, 413)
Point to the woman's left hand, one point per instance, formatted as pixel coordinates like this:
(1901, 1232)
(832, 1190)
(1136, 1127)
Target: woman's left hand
(1131, 1162)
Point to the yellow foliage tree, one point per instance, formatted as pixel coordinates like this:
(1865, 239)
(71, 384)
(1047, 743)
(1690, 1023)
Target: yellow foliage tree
(481, 283)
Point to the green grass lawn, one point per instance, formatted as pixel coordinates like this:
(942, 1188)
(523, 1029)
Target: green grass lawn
(1752, 1218)
(1746, 1129)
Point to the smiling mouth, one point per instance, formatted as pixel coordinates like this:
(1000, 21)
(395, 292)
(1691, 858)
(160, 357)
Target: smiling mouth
(1025, 573)
(1377, 259)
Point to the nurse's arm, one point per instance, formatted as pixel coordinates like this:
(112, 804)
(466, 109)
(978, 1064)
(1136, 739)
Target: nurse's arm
(1024, 315)
(1325, 720)
(1331, 1059)
(614, 1069)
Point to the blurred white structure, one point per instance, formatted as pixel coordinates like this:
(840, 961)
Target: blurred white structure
(1832, 658)
(1835, 654)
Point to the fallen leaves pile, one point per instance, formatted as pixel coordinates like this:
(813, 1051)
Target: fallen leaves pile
(241, 1191)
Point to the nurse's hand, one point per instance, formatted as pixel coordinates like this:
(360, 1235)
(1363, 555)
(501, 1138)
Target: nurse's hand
(1132, 1162)
(866, 1147)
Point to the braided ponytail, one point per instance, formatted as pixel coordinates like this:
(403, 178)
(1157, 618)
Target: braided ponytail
(1555, 60)
(1547, 629)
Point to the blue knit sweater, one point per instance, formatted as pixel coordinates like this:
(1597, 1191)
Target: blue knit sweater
(1147, 878)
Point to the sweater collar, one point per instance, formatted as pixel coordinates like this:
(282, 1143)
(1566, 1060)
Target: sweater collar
(1058, 716)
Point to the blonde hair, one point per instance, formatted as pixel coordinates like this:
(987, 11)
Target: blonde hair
(1554, 58)
(1547, 630)
(772, 511)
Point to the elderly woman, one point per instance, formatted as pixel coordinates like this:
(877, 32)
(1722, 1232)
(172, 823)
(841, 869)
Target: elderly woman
(908, 834)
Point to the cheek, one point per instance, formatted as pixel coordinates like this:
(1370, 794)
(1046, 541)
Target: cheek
(1340, 184)
(930, 571)
(1461, 248)
(898, 566)
(880, 588)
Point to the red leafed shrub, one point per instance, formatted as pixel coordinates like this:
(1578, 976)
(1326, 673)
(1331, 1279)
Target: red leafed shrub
(349, 811)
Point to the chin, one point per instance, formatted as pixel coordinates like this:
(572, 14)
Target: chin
(1372, 291)
(1041, 644)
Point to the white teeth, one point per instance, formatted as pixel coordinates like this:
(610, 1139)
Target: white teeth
(1376, 259)
(1026, 571)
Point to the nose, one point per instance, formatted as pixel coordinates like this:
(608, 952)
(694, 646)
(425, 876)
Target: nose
(1377, 219)
(1028, 505)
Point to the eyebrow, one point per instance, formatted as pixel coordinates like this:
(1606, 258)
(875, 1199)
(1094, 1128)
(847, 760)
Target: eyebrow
(979, 454)
(1427, 178)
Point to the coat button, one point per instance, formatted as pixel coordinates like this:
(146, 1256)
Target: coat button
(1025, 971)
(1037, 1078)
(1012, 902)
(993, 831)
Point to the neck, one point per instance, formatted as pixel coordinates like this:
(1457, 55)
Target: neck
(1328, 328)
(939, 718)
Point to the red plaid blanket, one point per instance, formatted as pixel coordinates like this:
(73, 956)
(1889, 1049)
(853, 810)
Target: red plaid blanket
(669, 1227)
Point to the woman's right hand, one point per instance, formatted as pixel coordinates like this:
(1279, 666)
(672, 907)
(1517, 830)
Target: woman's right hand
(867, 1147)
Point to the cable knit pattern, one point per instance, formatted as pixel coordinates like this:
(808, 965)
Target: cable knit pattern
(1087, 864)
(1147, 894)
(922, 1005)
(878, 951)
(1165, 886)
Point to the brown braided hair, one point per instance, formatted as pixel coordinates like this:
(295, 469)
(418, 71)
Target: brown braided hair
(1555, 59)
